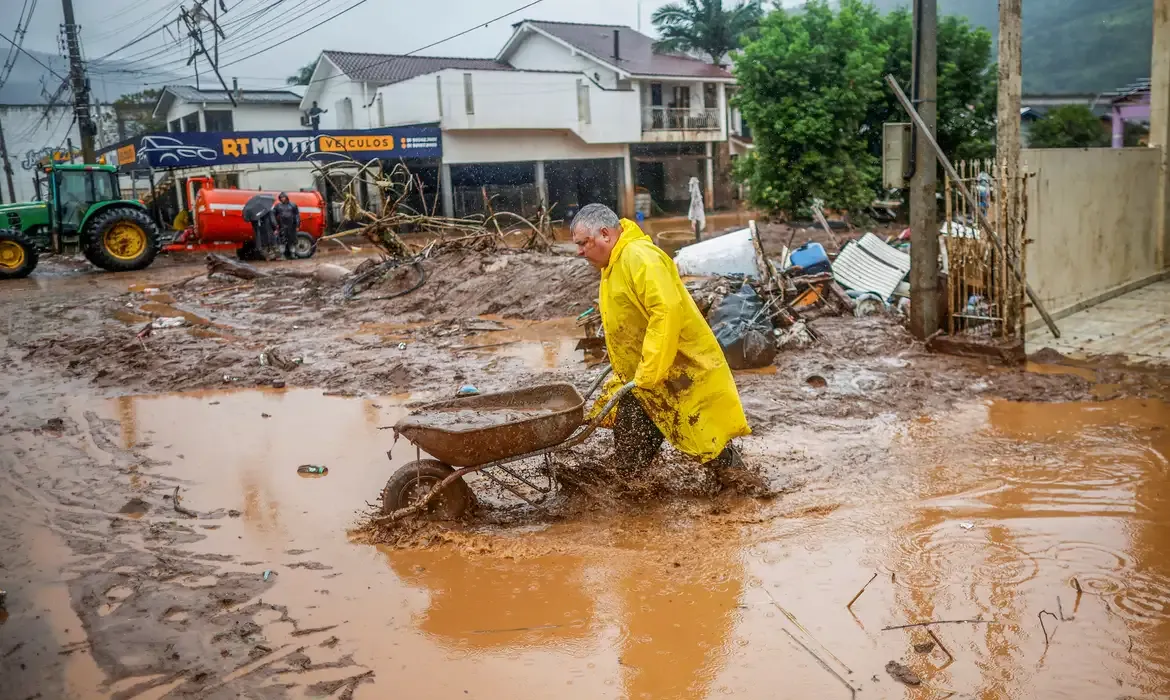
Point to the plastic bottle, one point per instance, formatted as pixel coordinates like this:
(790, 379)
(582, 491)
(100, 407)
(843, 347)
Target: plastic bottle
(312, 469)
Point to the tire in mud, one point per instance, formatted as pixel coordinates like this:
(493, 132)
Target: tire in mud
(18, 255)
(306, 246)
(415, 480)
(121, 239)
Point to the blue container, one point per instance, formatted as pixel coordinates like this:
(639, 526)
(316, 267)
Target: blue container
(811, 257)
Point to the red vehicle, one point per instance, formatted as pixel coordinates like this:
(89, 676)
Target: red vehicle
(218, 221)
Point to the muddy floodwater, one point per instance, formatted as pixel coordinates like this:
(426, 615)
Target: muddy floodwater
(1002, 514)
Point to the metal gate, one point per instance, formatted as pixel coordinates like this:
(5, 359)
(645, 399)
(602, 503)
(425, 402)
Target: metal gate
(985, 300)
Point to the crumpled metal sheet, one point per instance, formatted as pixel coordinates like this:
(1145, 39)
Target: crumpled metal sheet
(869, 265)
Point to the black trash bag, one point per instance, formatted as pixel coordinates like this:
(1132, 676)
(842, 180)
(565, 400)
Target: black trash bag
(745, 334)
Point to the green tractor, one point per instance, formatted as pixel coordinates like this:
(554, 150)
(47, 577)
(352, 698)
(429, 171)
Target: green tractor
(83, 211)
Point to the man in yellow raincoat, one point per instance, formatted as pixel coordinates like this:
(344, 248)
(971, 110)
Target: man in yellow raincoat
(657, 338)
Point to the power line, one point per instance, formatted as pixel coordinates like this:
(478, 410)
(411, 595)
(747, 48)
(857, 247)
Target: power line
(260, 34)
(243, 40)
(26, 53)
(22, 22)
(479, 26)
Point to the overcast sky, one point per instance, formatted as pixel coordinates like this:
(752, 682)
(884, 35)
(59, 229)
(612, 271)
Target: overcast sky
(379, 26)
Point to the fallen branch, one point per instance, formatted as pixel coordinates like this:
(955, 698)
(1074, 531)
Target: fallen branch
(234, 287)
(939, 622)
(180, 509)
(854, 598)
(940, 644)
(1040, 615)
(217, 263)
(827, 667)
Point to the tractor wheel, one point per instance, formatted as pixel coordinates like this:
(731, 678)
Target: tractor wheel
(121, 239)
(306, 245)
(412, 482)
(18, 255)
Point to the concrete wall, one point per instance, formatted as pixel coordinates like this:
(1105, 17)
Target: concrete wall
(1091, 217)
(246, 117)
(332, 91)
(29, 134)
(538, 52)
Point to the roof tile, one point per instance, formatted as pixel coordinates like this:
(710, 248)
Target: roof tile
(386, 69)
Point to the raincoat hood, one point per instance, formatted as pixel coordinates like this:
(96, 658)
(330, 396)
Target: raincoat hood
(657, 338)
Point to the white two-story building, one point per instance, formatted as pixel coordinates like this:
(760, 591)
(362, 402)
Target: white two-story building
(564, 115)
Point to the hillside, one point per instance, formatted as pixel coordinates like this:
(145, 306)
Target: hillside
(108, 81)
(1071, 45)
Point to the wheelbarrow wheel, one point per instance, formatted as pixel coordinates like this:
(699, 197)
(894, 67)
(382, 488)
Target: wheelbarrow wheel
(412, 482)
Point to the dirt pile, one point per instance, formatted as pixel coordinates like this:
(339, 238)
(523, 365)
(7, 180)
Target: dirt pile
(513, 285)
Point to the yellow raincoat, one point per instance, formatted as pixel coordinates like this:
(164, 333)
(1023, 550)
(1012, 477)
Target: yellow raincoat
(657, 337)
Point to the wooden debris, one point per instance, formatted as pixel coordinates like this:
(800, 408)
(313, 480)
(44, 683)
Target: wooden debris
(217, 263)
(854, 598)
(939, 622)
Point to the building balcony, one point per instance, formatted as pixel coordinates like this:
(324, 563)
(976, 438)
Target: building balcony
(679, 119)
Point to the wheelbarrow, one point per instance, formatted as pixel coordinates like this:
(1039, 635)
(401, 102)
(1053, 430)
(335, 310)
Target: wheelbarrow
(486, 433)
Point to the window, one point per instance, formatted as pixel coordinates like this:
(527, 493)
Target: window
(103, 186)
(468, 97)
(218, 120)
(656, 94)
(682, 97)
(226, 180)
(73, 197)
(710, 96)
(583, 113)
(191, 122)
(175, 126)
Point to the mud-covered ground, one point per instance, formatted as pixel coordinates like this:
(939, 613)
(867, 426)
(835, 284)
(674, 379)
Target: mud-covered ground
(249, 585)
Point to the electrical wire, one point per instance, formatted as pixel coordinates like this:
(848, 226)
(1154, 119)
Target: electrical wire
(433, 44)
(26, 53)
(22, 22)
(233, 48)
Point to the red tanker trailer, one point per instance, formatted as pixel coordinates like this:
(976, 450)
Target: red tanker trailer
(218, 220)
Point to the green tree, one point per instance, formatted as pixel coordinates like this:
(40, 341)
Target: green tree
(1070, 126)
(303, 75)
(135, 114)
(807, 83)
(966, 85)
(705, 27)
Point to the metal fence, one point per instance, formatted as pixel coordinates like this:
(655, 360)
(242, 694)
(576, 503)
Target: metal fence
(655, 118)
(984, 300)
(519, 199)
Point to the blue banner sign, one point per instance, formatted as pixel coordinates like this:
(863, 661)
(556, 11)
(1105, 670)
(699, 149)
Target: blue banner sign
(204, 149)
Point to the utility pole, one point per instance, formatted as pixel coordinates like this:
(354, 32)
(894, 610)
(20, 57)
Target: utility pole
(924, 248)
(1007, 136)
(7, 166)
(80, 85)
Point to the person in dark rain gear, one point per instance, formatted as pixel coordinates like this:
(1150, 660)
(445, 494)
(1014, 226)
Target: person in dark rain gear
(288, 222)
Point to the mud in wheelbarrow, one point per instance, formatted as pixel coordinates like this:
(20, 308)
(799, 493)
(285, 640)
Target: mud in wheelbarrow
(475, 430)
(481, 433)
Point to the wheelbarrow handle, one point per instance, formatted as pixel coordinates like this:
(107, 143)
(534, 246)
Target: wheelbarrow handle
(589, 427)
(598, 382)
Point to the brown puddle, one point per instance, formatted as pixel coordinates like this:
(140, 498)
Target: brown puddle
(990, 512)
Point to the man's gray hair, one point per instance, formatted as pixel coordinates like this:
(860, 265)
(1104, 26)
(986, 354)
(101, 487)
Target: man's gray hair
(594, 217)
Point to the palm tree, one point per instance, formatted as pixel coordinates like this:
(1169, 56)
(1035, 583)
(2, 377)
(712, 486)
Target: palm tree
(704, 27)
(303, 75)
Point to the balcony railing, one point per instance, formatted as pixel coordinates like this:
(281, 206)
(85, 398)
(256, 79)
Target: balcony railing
(668, 118)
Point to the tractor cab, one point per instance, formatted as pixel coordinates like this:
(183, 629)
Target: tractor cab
(73, 191)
